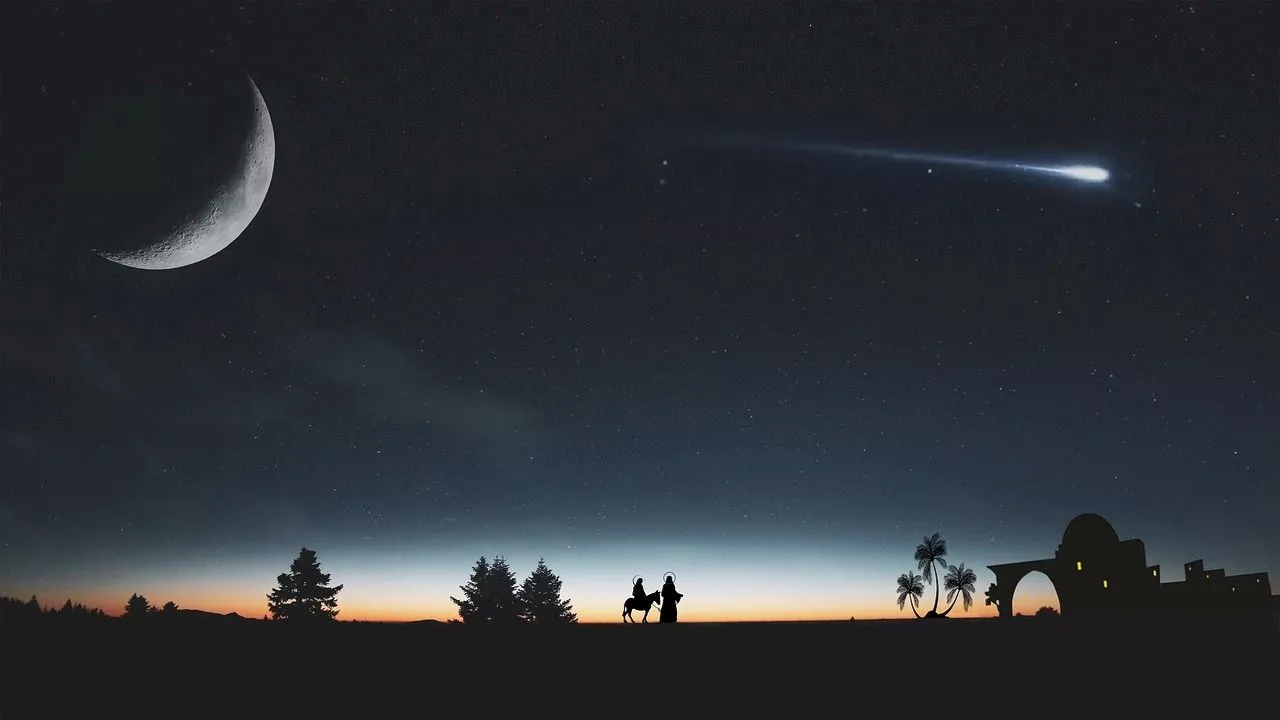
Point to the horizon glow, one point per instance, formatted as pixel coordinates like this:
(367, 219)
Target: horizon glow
(751, 582)
(734, 579)
(726, 576)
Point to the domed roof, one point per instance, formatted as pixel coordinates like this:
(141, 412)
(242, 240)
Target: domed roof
(1089, 530)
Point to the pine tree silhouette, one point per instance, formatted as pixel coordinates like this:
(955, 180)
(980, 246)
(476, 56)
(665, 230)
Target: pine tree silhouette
(473, 607)
(539, 598)
(136, 608)
(15, 612)
(490, 595)
(502, 590)
(303, 593)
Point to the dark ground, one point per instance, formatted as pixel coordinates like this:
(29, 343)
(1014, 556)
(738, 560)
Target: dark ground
(966, 668)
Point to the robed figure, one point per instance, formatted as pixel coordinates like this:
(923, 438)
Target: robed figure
(670, 598)
(637, 592)
(639, 600)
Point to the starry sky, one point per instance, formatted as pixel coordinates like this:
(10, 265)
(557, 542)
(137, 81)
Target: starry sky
(501, 299)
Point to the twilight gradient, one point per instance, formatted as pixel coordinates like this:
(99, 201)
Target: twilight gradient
(729, 580)
(487, 308)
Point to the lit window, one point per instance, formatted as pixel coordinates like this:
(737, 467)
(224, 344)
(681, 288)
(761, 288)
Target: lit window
(1079, 565)
(1104, 584)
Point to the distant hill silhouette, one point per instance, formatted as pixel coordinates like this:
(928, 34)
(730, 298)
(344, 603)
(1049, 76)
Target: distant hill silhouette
(206, 616)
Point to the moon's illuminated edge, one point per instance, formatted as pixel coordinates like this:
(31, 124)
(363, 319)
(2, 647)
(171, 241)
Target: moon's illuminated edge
(234, 204)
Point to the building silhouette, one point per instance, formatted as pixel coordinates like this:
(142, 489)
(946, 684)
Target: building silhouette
(1096, 573)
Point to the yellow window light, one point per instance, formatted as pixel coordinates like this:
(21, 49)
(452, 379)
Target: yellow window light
(1079, 565)
(1104, 584)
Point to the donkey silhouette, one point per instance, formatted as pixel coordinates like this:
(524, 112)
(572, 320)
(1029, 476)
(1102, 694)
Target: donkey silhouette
(633, 604)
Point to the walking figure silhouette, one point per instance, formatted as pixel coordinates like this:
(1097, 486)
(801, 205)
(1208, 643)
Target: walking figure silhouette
(670, 599)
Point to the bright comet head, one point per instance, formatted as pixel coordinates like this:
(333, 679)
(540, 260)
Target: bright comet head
(1087, 173)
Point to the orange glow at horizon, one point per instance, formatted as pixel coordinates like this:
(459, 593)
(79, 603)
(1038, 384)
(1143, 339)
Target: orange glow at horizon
(1035, 591)
(407, 612)
(719, 586)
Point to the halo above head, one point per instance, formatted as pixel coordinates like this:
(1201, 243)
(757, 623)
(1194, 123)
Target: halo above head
(633, 579)
(669, 573)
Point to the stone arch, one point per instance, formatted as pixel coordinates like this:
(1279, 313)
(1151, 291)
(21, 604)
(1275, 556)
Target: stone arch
(1031, 576)
(1008, 576)
(1092, 571)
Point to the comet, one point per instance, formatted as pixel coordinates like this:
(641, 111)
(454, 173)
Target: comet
(1083, 173)
(1078, 173)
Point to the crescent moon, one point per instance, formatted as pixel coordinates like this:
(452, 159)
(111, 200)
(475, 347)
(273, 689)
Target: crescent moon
(233, 205)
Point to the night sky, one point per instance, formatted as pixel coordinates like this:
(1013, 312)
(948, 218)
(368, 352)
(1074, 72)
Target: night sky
(507, 294)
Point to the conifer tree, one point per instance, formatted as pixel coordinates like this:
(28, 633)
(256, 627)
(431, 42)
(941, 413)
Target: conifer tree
(502, 590)
(490, 595)
(539, 598)
(136, 608)
(303, 593)
(474, 607)
(13, 610)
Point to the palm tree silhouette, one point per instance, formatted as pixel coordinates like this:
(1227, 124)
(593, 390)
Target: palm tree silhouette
(909, 587)
(960, 584)
(931, 551)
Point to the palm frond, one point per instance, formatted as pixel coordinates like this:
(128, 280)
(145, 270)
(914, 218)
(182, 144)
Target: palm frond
(930, 550)
(909, 587)
(914, 582)
(960, 580)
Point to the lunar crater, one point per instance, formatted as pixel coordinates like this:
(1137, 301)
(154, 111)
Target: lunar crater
(215, 201)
